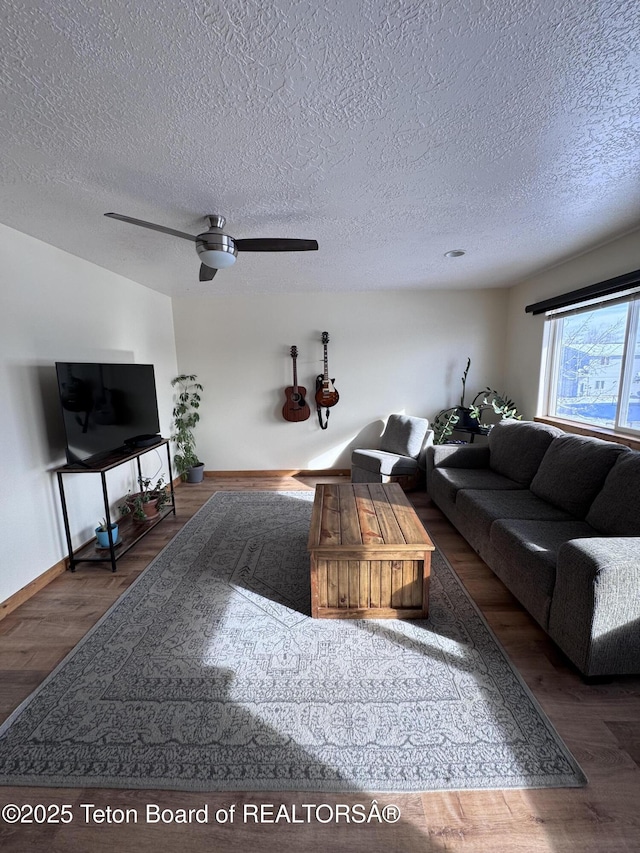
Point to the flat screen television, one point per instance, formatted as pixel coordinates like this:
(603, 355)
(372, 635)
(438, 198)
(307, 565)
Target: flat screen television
(106, 408)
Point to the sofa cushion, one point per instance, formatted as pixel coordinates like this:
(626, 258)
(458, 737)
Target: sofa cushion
(449, 481)
(533, 544)
(480, 508)
(573, 471)
(517, 448)
(380, 462)
(404, 435)
(524, 554)
(616, 509)
(498, 503)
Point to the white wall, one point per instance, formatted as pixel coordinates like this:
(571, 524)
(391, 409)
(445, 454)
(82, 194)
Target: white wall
(56, 307)
(389, 352)
(525, 338)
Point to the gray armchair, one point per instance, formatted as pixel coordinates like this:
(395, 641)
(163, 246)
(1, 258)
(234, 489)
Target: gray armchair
(400, 457)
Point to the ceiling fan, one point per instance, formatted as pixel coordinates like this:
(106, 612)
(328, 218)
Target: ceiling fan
(217, 250)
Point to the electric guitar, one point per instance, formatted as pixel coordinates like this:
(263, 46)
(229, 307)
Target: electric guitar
(296, 408)
(326, 394)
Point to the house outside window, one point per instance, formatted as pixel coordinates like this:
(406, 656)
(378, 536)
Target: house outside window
(592, 373)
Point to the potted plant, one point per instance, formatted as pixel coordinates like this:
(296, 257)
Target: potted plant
(466, 413)
(448, 419)
(146, 504)
(470, 417)
(185, 419)
(102, 533)
(500, 404)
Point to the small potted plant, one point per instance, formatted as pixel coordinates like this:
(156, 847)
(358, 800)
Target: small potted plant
(185, 419)
(102, 533)
(146, 504)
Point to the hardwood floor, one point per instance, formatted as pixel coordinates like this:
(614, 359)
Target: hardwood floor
(600, 724)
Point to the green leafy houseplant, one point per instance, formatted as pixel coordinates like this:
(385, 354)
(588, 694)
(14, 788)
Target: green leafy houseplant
(446, 421)
(148, 502)
(500, 404)
(185, 420)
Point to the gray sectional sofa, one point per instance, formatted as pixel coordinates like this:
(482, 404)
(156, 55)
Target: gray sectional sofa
(556, 516)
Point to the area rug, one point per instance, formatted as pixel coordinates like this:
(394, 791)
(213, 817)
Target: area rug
(209, 674)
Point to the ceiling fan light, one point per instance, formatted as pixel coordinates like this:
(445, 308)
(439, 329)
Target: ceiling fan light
(217, 251)
(219, 259)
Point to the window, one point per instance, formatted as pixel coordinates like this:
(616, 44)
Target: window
(593, 368)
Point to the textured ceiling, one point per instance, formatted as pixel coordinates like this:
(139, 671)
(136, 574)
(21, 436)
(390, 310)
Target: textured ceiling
(389, 130)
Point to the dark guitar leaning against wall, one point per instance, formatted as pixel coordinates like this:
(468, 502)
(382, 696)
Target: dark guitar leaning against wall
(296, 407)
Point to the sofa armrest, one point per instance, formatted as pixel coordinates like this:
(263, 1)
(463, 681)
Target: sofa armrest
(458, 456)
(426, 444)
(595, 609)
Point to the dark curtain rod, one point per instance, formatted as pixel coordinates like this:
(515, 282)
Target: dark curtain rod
(592, 291)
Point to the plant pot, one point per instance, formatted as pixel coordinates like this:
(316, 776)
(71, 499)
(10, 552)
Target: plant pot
(466, 420)
(195, 474)
(103, 536)
(149, 508)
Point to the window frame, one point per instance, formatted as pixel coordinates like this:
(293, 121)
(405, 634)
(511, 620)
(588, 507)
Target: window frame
(553, 329)
(628, 359)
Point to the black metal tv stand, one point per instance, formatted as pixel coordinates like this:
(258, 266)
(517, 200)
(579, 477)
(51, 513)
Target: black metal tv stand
(130, 531)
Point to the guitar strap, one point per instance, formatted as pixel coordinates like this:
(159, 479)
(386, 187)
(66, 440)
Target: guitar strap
(326, 422)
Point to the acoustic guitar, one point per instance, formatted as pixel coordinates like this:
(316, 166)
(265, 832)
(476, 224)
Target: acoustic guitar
(326, 394)
(296, 407)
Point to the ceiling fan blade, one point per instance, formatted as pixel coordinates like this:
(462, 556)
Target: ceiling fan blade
(206, 273)
(153, 226)
(275, 244)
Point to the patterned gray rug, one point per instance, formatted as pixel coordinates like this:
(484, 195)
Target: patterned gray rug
(208, 674)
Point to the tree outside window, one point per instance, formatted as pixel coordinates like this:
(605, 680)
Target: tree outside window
(595, 366)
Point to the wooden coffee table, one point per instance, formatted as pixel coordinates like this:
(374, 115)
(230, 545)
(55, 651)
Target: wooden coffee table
(370, 554)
